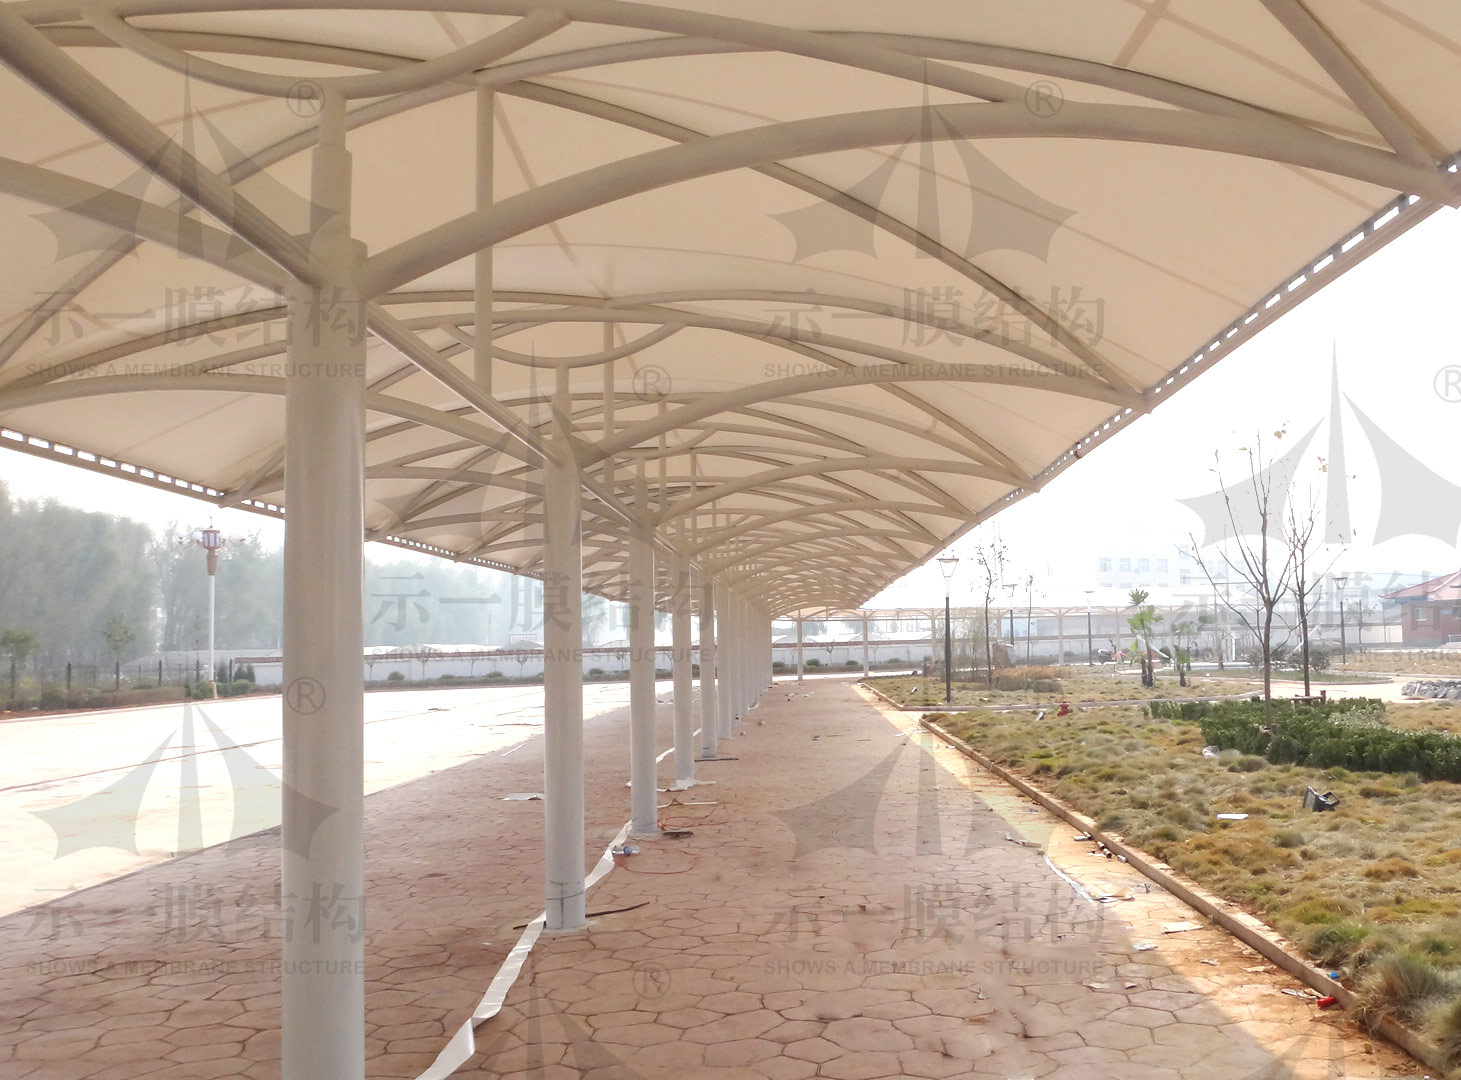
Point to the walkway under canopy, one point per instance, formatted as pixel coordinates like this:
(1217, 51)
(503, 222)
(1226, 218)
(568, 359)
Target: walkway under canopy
(750, 314)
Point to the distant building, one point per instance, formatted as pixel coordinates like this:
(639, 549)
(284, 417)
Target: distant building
(1430, 613)
(1164, 568)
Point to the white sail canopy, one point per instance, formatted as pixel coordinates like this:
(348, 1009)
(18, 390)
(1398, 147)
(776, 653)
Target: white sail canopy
(828, 283)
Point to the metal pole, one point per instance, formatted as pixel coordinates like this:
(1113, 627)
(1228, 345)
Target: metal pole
(323, 953)
(681, 660)
(709, 732)
(1090, 639)
(1343, 646)
(725, 672)
(643, 818)
(482, 297)
(948, 653)
(212, 614)
(563, 829)
(866, 670)
(801, 671)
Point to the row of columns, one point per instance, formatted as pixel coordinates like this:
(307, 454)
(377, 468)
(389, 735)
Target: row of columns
(322, 885)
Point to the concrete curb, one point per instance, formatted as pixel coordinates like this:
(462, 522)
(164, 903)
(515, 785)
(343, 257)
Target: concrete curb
(1250, 931)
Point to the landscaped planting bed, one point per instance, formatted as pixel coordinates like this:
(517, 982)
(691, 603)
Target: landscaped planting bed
(1372, 888)
(1044, 685)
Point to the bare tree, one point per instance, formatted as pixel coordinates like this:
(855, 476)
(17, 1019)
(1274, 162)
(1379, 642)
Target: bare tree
(1299, 528)
(1268, 572)
(991, 556)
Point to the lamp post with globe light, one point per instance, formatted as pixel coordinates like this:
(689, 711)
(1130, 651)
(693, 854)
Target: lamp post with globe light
(947, 565)
(211, 541)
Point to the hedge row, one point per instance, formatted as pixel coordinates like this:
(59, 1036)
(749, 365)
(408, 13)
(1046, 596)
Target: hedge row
(1346, 733)
(1357, 708)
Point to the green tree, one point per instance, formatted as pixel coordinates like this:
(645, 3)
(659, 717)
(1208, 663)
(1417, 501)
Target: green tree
(1143, 622)
(18, 645)
(118, 635)
(1184, 642)
(64, 570)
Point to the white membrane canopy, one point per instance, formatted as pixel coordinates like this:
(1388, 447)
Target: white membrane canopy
(829, 282)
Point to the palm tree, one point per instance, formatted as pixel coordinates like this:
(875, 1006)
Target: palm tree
(1143, 624)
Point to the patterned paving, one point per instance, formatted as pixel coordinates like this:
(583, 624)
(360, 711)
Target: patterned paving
(845, 908)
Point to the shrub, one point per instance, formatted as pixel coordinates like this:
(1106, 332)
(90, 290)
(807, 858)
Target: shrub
(1446, 1030)
(1348, 733)
(1336, 942)
(814, 663)
(396, 676)
(1401, 986)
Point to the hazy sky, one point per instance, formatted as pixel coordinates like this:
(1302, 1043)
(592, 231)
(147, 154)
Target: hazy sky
(1392, 322)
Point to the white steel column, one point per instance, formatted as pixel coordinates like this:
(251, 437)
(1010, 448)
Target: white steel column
(563, 831)
(643, 818)
(681, 658)
(753, 659)
(746, 620)
(801, 667)
(212, 682)
(865, 666)
(725, 651)
(709, 731)
(483, 297)
(322, 861)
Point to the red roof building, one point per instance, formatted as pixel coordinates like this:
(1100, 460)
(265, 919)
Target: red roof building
(1430, 611)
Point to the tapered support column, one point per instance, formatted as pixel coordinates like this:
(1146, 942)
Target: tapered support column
(563, 832)
(865, 661)
(322, 863)
(482, 297)
(681, 659)
(643, 818)
(709, 729)
(753, 665)
(801, 667)
(725, 669)
(747, 621)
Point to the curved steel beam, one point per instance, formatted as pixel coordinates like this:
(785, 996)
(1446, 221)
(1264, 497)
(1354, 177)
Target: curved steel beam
(1278, 142)
(830, 465)
(603, 356)
(51, 71)
(781, 389)
(534, 26)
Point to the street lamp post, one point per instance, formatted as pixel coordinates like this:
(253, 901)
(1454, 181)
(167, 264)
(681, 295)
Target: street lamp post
(210, 540)
(1012, 589)
(947, 564)
(1090, 638)
(1340, 581)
